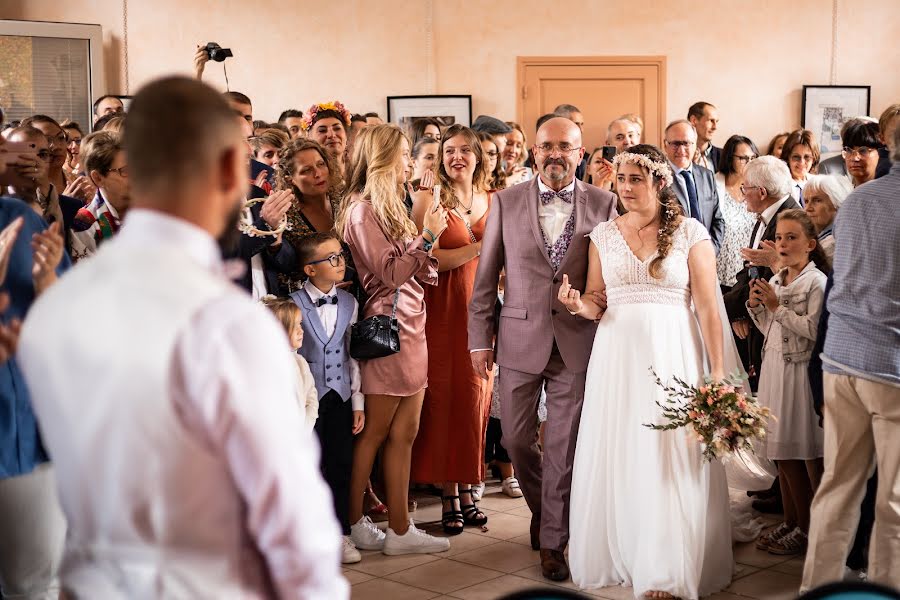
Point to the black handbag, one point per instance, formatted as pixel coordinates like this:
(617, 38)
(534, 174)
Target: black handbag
(376, 337)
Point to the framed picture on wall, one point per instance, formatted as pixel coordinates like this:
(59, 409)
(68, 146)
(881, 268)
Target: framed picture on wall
(827, 107)
(449, 110)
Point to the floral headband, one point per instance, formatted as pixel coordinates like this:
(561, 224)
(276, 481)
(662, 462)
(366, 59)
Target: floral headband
(315, 109)
(659, 169)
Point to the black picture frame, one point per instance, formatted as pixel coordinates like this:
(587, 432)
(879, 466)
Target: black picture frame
(402, 109)
(825, 108)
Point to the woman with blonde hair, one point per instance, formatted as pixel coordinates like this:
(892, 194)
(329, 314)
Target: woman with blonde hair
(456, 395)
(392, 258)
(514, 156)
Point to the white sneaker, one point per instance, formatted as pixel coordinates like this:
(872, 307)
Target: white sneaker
(349, 553)
(477, 491)
(511, 488)
(414, 541)
(365, 535)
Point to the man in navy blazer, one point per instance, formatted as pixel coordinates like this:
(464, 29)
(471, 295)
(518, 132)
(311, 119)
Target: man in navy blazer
(695, 186)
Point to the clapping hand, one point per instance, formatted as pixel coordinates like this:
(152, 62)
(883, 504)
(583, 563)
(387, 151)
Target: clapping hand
(48, 250)
(570, 297)
(763, 293)
(81, 188)
(7, 241)
(764, 256)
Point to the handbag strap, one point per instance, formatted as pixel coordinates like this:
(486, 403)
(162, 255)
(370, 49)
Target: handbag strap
(394, 307)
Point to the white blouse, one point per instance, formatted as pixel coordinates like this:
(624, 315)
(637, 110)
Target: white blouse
(738, 227)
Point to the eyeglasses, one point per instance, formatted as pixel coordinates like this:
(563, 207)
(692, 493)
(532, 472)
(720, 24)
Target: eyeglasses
(680, 143)
(563, 148)
(333, 259)
(746, 188)
(122, 171)
(798, 158)
(58, 139)
(861, 152)
(744, 159)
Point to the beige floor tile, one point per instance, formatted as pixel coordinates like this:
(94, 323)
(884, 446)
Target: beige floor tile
(467, 541)
(500, 502)
(379, 589)
(748, 554)
(768, 585)
(495, 588)
(525, 540)
(444, 576)
(791, 567)
(355, 577)
(379, 565)
(506, 526)
(741, 570)
(534, 573)
(502, 556)
(521, 511)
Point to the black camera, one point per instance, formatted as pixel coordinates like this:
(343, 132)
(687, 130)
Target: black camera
(217, 52)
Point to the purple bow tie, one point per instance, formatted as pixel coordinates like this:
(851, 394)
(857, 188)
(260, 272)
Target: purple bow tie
(549, 196)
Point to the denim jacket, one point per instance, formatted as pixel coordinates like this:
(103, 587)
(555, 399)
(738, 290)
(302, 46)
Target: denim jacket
(799, 306)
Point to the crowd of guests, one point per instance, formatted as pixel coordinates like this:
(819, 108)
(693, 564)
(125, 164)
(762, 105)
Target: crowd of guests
(343, 218)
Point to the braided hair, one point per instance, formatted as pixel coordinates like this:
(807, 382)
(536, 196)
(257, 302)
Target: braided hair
(669, 208)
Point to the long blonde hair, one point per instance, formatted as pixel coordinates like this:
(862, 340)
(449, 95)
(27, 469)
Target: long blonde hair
(373, 176)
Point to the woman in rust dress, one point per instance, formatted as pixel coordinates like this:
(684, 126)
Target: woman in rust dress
(390, 257)
(449, 449)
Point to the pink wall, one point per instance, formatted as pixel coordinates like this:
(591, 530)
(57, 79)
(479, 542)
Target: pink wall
(749, 57)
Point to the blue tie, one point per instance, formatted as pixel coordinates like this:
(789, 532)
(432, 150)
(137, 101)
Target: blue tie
(693, 204)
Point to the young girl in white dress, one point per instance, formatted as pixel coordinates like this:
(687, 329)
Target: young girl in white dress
(291, 318)
(647, 510)
(787, 309)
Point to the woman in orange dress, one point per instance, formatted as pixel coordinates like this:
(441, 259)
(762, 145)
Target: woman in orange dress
(449, 448)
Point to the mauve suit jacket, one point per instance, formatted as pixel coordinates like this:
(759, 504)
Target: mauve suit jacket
(532, 318)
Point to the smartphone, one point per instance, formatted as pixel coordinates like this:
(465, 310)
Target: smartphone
(10, 152)
(753, 272)
(437, 196)
(609, 153)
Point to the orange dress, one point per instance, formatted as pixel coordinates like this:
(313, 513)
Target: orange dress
(450, 443)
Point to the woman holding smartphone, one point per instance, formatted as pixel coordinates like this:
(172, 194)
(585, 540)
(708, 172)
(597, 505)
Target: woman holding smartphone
(392, 258)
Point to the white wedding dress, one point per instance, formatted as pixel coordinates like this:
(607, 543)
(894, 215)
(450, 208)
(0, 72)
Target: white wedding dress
(646, 509)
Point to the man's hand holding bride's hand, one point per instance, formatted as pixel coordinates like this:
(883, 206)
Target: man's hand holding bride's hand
(570, 297)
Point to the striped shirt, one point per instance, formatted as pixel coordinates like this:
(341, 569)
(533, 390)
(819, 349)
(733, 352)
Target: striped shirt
(864, 327)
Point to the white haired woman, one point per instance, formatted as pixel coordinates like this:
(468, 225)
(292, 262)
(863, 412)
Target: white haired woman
(824, 195)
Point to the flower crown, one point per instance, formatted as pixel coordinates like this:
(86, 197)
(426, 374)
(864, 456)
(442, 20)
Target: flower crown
(660, 169)
(315, 109)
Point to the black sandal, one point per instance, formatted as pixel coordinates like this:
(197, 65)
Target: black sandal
(471, 513)
(452, 520)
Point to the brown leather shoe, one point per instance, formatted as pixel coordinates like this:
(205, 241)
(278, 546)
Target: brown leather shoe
(553, 565)
(535, 532)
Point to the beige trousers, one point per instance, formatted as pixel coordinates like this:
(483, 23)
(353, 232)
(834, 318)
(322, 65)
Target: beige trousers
(32, 535)
(862, 430)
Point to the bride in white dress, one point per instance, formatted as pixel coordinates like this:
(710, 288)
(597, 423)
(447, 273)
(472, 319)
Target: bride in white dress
(646, 510)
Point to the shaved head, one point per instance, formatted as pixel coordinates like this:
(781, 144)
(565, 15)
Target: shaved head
(177, 128)
(557, 151)
(559, 126)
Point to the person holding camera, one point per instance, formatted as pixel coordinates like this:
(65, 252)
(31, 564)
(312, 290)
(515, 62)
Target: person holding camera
(767, 191)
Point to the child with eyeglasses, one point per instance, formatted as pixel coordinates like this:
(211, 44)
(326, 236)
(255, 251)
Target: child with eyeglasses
(328, 314)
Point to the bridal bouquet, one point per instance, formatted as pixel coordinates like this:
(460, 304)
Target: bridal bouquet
(723, 418)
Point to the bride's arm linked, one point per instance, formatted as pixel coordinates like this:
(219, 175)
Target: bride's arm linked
(702, 266)
(592, 303)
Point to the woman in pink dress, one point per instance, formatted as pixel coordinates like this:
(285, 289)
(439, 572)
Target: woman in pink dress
(391, 258)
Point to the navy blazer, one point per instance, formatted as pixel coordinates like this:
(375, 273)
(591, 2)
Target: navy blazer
(20, 444)
(708, 197)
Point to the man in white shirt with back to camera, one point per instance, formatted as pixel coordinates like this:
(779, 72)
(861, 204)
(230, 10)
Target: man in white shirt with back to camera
(183, 466)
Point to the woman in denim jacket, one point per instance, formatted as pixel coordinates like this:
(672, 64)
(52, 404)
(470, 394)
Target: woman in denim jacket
(786, 310)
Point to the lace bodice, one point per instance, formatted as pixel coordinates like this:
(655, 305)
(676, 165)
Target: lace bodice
(627, 279)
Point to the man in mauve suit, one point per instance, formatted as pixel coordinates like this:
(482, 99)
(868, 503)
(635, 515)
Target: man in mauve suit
(536, 232)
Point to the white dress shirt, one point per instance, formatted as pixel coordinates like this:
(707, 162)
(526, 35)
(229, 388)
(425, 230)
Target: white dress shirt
(193, 466)
(328, 314)
(258, 288)
(766, 216)
(554, 216)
